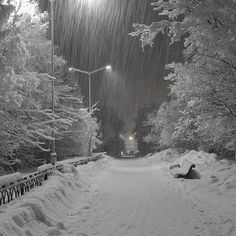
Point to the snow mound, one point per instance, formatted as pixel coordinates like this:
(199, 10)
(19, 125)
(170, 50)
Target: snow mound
(215, 190)
(168, 155)
(200, 158)
(43, 211)
(212, 188)
(69, 168)
(219, 175)
(91, 168)
(44, 167)
(7, 179)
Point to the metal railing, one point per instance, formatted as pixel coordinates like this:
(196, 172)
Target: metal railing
(18, 188)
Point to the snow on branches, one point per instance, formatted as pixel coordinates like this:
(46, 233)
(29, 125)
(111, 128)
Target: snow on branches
(203, 88)
(25, 84)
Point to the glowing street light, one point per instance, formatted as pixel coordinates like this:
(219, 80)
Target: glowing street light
(53, 150)
(108, 67)
(131, 138)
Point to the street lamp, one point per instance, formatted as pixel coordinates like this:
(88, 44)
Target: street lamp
(108, 67)
(53, 149)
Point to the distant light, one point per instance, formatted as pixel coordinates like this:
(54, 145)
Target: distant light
(70, 69)
(91, 2)
(108, 67)
(131, 138)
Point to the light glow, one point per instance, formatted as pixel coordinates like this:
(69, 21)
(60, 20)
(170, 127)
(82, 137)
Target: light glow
(131, 138)
(92, 3)
(108, 67)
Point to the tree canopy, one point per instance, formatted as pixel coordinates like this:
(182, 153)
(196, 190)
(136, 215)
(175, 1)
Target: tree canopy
(203, 88)
(25, 85)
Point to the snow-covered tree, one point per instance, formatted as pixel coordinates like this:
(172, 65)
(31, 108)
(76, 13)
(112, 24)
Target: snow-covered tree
(25, 84)
(142, 129)
(111, 127)
(82, 133)
(204, 86)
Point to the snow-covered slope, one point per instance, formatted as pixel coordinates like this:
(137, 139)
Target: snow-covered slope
(11, 178)
(215, 189)
(129, 198)
(168, 155)
(43, 211)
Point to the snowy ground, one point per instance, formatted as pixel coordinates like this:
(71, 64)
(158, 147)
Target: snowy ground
(136, 197)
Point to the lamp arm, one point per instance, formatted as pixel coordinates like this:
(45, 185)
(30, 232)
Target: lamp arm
(81, 71)
(94, 71)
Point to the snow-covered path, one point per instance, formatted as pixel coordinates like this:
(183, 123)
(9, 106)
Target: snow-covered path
(133, 198)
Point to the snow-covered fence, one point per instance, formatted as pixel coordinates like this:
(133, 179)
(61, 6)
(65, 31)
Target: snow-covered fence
(12, 190)
(44, 167)
(11, 178)
(12, 186)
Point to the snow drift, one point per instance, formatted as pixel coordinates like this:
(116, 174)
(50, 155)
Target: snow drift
(43, 211)
(11, 178)
(215, 190)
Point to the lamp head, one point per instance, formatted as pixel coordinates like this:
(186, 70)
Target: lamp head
(70, 69)
(108, 67)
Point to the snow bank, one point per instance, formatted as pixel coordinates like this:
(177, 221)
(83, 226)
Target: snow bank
(214, 191)
(45, 210)
(41, 212)
(75, 159)
(7, 179)
(91, 168)
(168, 155)
(200, 158)
(69, 168)
(44, 167)
(220, 175)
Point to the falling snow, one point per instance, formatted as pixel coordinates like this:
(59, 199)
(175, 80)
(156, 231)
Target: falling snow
(95, 33)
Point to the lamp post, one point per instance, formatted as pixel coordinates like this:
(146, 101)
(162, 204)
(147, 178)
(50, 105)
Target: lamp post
(53, 150)
(90, 94)
(89, 77)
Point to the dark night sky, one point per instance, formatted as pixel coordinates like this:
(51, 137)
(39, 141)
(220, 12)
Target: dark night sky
(94, 33)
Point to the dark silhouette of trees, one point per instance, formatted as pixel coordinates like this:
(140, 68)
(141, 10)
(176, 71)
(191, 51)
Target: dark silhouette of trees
(142, 129)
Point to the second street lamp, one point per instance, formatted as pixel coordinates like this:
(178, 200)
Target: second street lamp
(108, 67)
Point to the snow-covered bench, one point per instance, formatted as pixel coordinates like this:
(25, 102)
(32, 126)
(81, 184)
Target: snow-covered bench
(181, 169)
